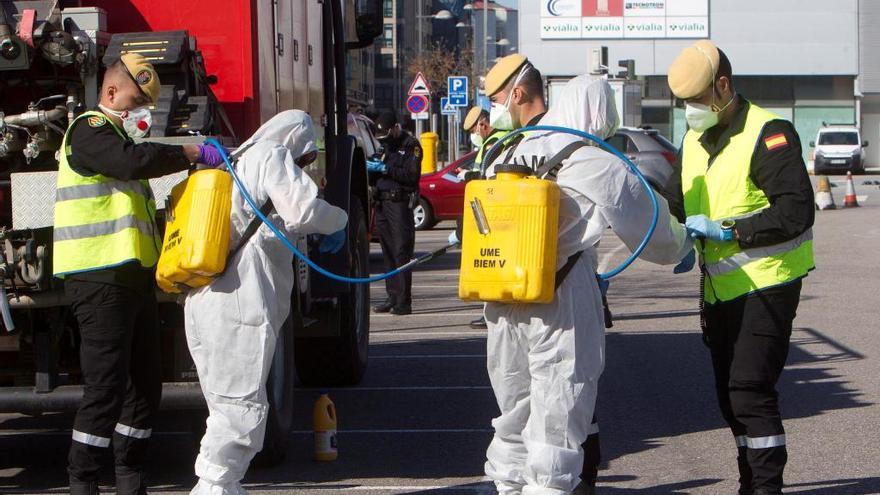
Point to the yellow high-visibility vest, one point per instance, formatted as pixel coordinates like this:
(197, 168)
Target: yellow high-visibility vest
(101, 222)
(487, 145)
(724, 191)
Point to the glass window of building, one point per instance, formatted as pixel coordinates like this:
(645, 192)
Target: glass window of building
(388, 40)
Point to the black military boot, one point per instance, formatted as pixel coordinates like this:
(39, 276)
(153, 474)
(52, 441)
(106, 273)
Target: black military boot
(745, 472)
(83, 487)
(385, 307)
(130, 483)
(584, 489)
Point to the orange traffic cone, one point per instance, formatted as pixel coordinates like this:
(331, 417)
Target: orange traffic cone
(824, 198)
(850, 200)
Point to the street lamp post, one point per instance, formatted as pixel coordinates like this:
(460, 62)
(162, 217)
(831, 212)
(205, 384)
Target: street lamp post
(441, 15)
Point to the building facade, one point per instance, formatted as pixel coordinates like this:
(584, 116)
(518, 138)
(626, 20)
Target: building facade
(810, 61)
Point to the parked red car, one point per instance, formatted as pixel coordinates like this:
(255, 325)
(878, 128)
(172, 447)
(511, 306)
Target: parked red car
(442, 194)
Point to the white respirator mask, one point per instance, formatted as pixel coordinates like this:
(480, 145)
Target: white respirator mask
(701, 117)
(136, 123)
(476, 140)
(500, 117)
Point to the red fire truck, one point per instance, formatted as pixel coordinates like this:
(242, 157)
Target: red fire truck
(226, 66)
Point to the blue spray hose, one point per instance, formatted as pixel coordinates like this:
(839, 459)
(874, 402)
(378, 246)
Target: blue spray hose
(605, 146)
(250, 201)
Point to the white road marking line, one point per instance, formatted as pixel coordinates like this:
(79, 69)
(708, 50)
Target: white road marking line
(433, 315)
(402, 431)
(390, 333)
(425, 388)
(485, 488)
(431, 356)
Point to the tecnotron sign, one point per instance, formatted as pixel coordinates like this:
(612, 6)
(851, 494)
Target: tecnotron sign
(624, 19)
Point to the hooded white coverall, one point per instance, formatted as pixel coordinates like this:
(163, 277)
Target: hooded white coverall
(544, 360)
(232, 324)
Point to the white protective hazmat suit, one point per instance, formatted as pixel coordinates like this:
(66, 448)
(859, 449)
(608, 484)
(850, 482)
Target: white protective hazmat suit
(544, 360)
(233, 323)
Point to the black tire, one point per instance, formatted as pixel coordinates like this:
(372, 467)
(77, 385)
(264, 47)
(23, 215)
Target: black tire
(341, 360)
(423, 215)
(279, 389)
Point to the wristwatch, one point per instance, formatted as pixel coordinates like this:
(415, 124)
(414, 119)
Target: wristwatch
(728, 227)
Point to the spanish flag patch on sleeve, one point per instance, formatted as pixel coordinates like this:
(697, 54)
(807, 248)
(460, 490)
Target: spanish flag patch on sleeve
(776, 142)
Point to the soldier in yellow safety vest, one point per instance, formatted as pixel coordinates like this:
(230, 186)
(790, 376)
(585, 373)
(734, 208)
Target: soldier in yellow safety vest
(106, 246)
(483, 136)
(744, 191)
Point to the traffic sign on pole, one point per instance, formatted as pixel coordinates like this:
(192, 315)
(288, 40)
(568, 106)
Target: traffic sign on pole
(458, 90)
(420, 86)
(446, 107)
(417, 104)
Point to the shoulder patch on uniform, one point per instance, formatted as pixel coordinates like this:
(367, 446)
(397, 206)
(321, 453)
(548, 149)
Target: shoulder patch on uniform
(775, 142)
(97, 121)
(417, 151)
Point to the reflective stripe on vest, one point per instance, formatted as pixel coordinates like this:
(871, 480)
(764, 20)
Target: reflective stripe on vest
(487, 145)
(101, 222)
(724, 191)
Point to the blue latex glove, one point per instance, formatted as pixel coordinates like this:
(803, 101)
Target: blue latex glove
(700, 227)
(209, 155)
(332, 243)
(375, 166)
(453, 238)
(687, 263)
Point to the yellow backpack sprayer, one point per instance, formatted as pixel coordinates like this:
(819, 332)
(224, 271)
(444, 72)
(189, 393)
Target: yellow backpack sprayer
(510, 228)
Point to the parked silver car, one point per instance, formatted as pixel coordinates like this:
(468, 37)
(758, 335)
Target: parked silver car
(652, 153)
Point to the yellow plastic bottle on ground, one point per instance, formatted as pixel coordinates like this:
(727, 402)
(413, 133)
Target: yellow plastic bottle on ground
(324, 424)
(508, 251)
(197, 231)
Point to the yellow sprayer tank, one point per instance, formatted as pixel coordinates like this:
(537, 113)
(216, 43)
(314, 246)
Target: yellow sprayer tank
(509, 236)
(197, 231)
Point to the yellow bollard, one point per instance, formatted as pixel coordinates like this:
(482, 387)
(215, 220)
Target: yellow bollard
(429, 142)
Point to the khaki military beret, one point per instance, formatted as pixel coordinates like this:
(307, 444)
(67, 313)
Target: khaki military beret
(694, 69)
(506, 68)
(143, 74)
(471, 119)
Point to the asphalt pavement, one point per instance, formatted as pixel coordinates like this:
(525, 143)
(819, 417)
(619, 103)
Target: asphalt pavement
(420, 421)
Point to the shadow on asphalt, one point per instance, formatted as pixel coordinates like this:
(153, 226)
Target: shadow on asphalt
(853, 486)
(659, 385)
(656, 385)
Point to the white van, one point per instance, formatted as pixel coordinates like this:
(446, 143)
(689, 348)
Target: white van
(838, 150)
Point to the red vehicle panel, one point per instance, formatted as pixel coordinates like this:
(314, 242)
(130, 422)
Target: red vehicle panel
(223, 29)
(444, 191)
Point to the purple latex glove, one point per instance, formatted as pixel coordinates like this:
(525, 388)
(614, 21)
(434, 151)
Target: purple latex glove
(209, 155)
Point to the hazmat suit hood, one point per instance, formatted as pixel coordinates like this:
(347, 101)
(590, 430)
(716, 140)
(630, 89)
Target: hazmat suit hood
(586, 103)
(292, 129)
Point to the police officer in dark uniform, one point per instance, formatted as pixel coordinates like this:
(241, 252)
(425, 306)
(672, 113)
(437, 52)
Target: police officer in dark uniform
(397, 195)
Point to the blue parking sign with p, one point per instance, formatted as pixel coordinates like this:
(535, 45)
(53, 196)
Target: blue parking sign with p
(458, 90)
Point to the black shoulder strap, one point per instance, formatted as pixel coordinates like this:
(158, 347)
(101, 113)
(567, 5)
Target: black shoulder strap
(251, 229)
(551, 167)
(566, 268)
